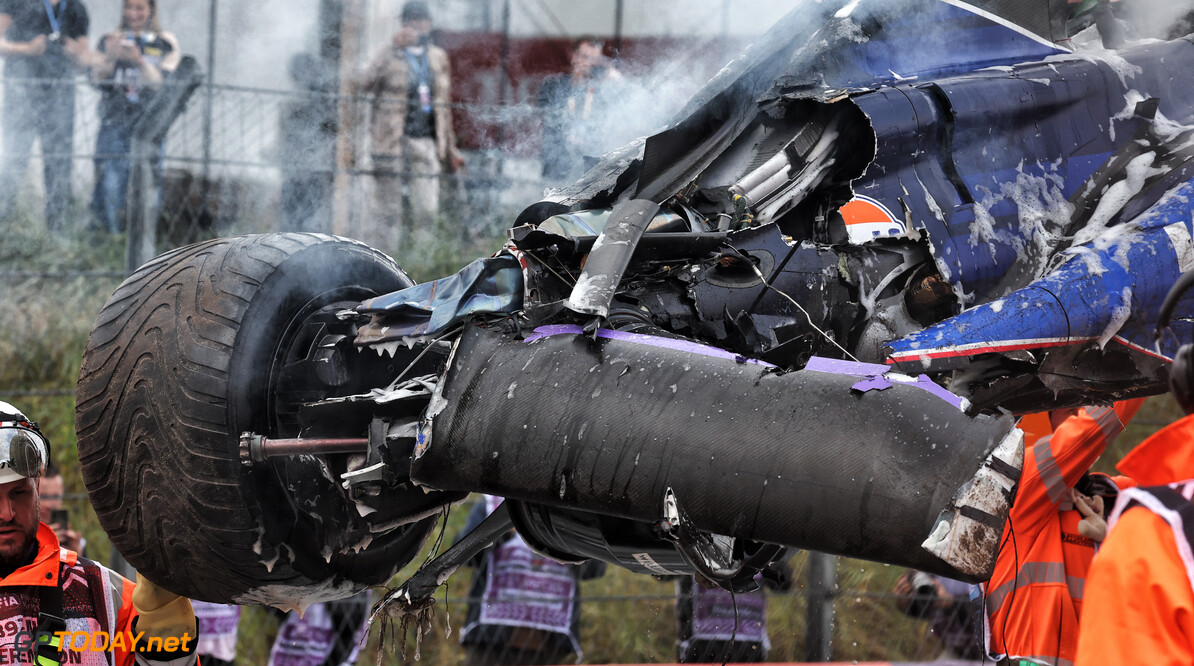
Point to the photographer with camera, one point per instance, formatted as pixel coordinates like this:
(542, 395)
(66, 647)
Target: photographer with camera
(947, 605)
(575, 107)
(1142, 581)
(413, 141)
(133, 61)
(44, 43)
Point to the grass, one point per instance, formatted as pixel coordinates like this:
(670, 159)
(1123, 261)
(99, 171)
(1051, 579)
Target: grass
(627, 618)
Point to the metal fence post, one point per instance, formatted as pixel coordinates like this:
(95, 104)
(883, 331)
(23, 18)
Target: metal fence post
(117, 563)
(213, 13)
(141, 206)
(822, 579)
(350, 41)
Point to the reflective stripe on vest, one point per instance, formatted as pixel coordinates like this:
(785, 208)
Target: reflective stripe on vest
(1035, 573)
(1055, 485)
(1173, 504)
(1039, 661)
(1046, 465)
(1107, 420)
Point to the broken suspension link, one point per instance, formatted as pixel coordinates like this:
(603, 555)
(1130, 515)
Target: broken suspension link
(256, 448)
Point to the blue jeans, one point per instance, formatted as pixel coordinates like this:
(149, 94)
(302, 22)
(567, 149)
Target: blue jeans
(44, 110)
(112, 147)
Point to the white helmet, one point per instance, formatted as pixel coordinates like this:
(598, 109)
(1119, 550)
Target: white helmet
(24, 451)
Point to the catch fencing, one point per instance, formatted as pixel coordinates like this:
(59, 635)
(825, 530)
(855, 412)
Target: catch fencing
(220, 160)
(235, 160)
(629, 618)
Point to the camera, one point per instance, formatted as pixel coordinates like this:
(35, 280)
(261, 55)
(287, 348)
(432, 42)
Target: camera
(60, 517)
(924, 593)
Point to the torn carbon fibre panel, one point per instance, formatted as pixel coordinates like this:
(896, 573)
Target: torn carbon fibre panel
(608, 424)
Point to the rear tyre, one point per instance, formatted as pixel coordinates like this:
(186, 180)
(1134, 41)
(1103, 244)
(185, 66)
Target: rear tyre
(195, 347)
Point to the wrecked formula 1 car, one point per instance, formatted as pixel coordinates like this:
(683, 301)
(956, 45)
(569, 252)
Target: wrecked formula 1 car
(803, 314)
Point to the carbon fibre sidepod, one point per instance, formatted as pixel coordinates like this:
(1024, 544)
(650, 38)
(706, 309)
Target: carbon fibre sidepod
(839, 459)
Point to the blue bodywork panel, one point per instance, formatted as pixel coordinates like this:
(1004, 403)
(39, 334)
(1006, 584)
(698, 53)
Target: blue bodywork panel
(1107, 291)
(992, 166)
(1020, 143)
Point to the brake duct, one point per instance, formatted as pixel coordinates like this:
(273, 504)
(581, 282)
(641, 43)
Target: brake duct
(839, 457)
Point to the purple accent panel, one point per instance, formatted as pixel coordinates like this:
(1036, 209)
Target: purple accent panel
(554, 329)
(923, 382)
(873, 377)
(651, 340)
(871, 373)
(871, 384)
(840, 367)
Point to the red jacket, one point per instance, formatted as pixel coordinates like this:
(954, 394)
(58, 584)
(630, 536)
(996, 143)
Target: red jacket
(1035, 596)
(94, 599)
(1141, 582)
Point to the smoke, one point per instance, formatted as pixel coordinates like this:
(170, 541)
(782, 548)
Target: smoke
(650, 93)
(253, 41)
(669, 50)
(663, 54)
(1159, 19)
(654, 91)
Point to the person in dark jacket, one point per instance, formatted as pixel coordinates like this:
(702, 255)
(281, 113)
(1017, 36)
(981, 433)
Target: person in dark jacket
(44, 44)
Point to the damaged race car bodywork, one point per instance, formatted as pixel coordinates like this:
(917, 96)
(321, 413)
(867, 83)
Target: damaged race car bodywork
(801, 315)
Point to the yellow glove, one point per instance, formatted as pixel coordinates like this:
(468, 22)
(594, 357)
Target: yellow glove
(163, 613)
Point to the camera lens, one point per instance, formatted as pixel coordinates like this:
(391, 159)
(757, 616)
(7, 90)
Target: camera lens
(924, 593)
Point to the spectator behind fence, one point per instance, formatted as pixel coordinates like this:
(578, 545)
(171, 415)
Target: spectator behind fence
(57, 591)
(218, 625)
(523, 607)
(326, 634)
(947, 604)
(413, 140)
(43, 43)
(715, 626)
(575, 107)
(131, 65)
(54, 514)
(307, 150)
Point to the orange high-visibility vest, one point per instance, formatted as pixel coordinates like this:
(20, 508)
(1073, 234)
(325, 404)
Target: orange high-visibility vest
(1140, 590)
(100, 599)
(1165, 457)
(1034, 599)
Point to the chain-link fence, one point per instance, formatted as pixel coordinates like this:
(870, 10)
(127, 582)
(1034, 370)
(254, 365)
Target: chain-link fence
(247, 160)
(630, 618)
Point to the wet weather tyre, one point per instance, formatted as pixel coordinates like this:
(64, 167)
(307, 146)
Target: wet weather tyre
(182, 359)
